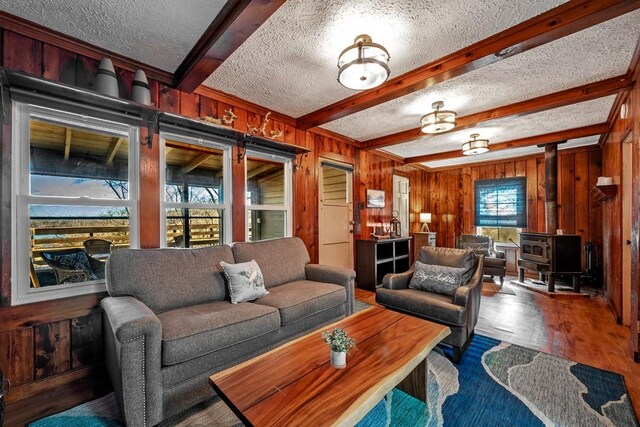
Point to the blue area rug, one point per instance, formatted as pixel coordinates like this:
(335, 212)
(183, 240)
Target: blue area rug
(496, 384)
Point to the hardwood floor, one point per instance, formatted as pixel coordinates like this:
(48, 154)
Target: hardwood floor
(583, 330)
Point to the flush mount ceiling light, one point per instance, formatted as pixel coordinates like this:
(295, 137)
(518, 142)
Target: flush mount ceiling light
(438, 121)
(475, 146)
(363, 65)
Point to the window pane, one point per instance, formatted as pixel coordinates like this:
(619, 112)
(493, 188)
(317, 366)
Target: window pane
(334, 185)
(70, 244)
(193, 175)
(72, 162)
(190, 228)
(265, 182)
(266, 225)
(501, 234)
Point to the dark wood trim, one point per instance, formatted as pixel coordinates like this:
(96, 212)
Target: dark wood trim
(585, 149)
(634, 67)
(235, 23)
(72, 44)
(546, 102)
(389, 156)
(519, 143)
(236, 102)
(554, 24)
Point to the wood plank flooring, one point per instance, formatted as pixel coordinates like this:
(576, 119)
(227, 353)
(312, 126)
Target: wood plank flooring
(583, 330)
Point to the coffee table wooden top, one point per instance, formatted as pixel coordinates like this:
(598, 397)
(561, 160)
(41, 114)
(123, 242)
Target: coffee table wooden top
(295, 384)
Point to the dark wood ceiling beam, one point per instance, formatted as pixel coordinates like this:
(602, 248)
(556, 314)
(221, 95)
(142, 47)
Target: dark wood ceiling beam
(568, 18)
(546, 102)
(519, 143)
(235, 23)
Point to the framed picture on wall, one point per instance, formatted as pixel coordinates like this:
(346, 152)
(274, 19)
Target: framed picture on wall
(375, 198)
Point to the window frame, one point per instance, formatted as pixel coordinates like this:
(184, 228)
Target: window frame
(227, 193)
(288, 192)
(21, 198)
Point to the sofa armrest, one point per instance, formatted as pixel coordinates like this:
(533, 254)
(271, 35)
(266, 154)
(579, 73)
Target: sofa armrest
(397, 280)
(133, 340)
(336, 275)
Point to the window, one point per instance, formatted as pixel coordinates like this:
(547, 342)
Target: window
(268, 181)
(195, 183)
(501, 202)
(501, 234)
(74, 201)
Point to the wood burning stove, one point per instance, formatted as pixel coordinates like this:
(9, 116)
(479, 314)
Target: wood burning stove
(551, 255)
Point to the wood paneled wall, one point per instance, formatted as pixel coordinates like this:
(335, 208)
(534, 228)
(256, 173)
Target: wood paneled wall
(449, 195)
(623, 128)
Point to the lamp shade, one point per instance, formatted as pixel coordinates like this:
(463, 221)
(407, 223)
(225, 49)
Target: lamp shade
(425, 217)
(475, 146)
(363, 65)
(438, 121)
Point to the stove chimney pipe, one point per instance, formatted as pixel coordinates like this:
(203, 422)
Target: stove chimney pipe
(551, 187)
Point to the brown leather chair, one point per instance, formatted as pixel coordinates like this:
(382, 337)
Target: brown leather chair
(494, 262)
(459, 312)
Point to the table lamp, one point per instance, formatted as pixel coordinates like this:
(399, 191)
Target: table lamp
(425, 219)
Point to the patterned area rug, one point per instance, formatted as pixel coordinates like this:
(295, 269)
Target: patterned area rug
(497, 384)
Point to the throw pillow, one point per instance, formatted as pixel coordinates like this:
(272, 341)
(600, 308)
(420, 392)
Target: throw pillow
(245, 281)
(73, 261)
(479, 248)
(438, 279)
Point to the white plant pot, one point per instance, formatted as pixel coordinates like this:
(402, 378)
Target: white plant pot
(338, 359)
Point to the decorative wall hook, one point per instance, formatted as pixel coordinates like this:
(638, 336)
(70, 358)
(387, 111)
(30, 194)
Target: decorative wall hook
(299, 159)
(242, 148)
(262, 129)
(151, 119)
(226, 120)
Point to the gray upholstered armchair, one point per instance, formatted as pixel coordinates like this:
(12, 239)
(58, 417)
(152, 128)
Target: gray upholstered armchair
(494, 262)
(459, 312)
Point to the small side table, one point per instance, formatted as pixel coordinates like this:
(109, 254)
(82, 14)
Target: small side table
(421, 239)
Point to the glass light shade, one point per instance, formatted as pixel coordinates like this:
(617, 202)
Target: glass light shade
(438, 121)
(425, 217)
(363, 65)
(475, 146)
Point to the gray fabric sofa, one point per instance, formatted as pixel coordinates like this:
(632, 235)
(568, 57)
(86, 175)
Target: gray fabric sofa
(459, 312)
(169, 324)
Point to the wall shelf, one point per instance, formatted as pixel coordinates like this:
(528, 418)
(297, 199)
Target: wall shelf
(604, 192)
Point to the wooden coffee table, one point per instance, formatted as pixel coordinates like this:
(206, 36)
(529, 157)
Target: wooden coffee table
(295, 384)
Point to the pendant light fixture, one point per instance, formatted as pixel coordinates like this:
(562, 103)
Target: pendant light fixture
(438, 121)
(363, 65)
(475, 145)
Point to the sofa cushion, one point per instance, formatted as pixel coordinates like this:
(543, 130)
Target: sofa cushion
(191, 332)
(281, 260)
(428, 305)
(245, 281)
(439, 279)
(449, 257)
(303, 298)
(164, 279)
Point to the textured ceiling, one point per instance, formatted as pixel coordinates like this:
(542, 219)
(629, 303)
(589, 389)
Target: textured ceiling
(155, 32)
(510, 128)
(591, 55)
(289, 63)
(509, 154)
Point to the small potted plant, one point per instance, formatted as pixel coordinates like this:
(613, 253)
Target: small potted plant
(340, 344)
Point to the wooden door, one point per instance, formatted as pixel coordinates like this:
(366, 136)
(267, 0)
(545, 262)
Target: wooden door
(401, 201)
(335, 215)
(627, 188)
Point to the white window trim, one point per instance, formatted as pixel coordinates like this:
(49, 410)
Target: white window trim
(21, 291)
(288, 192)
(227, 204)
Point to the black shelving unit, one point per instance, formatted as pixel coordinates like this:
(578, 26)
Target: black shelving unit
(376, 258)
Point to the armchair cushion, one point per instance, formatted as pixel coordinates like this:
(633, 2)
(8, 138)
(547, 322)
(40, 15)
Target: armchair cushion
(73, 260)
(450, 258)
(428, 305)
(438, 279)
(196, 330)
(303, 298)
(480, 248)
(490, 262)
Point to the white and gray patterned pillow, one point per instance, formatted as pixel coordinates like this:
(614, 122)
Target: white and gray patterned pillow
(438, 279)
(245, 281)
(479, 248)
